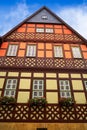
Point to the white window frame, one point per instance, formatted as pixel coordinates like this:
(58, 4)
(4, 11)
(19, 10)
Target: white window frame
(76, 52)
(64, 89)
(37, 90)
(85, 84)
(58, 51)
(31, 51)
(44, 17)
(41, 30)
(12, 50)
(49, 30)
(10, 87)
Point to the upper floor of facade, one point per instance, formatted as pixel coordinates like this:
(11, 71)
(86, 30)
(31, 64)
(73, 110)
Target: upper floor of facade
(43, 40)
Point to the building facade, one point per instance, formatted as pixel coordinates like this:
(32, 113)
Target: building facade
(43, 57)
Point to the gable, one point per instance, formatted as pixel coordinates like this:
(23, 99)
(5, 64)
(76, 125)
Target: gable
(49, 18)
(26, 30)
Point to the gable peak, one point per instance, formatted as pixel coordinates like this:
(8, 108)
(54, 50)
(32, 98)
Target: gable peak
(44, 15)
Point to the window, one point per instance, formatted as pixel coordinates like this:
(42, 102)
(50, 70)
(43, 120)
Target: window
(44, 17)
(49, 30)
(31, 51)
(64, 88)
(40, 30)
(85, 82)
(10, 88)
(12, 50)
(58, 52)
(38, 88)
(76, 52)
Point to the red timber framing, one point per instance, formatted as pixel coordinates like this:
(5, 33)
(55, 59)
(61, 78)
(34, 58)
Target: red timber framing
(47, 63)
(51, 113)
(22, 112)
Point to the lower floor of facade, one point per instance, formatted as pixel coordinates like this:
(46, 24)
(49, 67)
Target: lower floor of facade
(24, 85)
(43, 126)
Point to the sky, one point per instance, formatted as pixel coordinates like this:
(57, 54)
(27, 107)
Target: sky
(74, 13)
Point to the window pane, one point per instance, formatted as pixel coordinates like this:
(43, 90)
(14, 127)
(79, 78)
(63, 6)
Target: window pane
(40, 87)
(35, 81)
(14, 81)
(35, 87)
(7, 93)
(62, 94)
(40, 82)
(12, 93)
(40, 94)
(66, 82)
(85, 84)
(13, 86)
(35, 94)
(68, 94)
(9, 81)
(67, 87)
(8, 86)
(61, 82)
(61, 87)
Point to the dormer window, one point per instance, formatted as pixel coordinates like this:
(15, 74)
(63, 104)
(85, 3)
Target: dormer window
(44, 17)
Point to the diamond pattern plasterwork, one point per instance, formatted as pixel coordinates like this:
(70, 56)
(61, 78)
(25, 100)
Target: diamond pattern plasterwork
(30, 62)
(42, 62)
(9, 61)
(30, 36)
(59, 63)
(79, 63)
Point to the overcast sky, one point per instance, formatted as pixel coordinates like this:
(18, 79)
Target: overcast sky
(73, 12)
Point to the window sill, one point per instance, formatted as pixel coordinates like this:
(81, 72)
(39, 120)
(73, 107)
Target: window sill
(30, 56)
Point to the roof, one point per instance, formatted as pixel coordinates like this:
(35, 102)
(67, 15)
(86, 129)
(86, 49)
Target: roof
(34, 18)
(0, 39)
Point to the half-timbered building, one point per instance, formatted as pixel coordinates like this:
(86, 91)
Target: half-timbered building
(43, 57)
